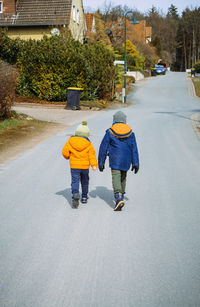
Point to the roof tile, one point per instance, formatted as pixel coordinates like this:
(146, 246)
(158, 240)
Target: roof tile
(38, 12)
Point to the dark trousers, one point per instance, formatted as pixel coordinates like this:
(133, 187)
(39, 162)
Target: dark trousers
(80, 175)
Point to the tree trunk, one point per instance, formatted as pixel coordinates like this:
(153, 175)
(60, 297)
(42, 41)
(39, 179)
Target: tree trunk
(185, 56)
(193, 49)
(189, 56)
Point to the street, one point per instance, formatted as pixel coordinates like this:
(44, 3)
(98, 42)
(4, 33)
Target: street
(148, 255)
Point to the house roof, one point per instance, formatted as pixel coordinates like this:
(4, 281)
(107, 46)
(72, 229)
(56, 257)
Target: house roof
(38, 12)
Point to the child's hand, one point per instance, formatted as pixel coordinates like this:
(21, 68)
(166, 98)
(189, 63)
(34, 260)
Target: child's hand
(94, 168)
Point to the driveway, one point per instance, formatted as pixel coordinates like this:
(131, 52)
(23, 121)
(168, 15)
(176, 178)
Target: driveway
(52, 113)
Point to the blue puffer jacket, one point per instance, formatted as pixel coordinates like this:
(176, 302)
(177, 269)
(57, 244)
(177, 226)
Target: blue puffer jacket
(119, 144)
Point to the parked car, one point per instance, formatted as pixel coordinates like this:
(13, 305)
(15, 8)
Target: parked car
(153, 72)
(160, 69)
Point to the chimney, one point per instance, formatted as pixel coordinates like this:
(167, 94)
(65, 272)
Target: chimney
(9, 6)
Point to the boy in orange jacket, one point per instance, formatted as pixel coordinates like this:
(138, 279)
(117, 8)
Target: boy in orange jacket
(81, 154)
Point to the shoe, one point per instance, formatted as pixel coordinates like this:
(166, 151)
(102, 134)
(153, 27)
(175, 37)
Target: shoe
(84, 200)
(75, 200)
(119, 202)
(119, 205)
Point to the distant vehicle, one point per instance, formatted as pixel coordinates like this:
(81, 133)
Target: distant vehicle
(160, 69)
(163, 64)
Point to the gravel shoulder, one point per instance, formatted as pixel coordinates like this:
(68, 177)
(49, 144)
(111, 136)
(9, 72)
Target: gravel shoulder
(195, 118)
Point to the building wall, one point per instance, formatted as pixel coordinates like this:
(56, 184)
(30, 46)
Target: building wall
(9, 6)
(90, 24)
(77, 28)
(136, 32)
(28, 32)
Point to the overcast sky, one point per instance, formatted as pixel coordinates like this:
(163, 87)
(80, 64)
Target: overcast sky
(143, 6)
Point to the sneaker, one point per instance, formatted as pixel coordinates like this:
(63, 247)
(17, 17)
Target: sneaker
(84, 200)
(119, 205)
(119, 202)
(75, 200)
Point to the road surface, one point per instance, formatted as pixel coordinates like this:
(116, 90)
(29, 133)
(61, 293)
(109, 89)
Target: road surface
(146, 255)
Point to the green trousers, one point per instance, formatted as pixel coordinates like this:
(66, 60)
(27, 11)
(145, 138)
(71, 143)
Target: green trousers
(118, 180)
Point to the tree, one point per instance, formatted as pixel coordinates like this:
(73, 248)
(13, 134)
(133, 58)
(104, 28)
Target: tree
(188, 39)
(156, 42)
(164, 31)
(134, 57)
(148, 52)
(100, 31)
(8, 80)
(173, 12)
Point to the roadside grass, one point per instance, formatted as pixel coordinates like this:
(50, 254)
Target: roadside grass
(196, 82)
(7, 123)
(20, 128)
(16, 120)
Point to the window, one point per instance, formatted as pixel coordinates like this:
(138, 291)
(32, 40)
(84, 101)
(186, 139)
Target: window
(74, 13)
(78, 17)
(1, 6)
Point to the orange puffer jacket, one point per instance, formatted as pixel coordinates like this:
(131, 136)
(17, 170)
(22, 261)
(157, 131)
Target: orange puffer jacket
(80, 152)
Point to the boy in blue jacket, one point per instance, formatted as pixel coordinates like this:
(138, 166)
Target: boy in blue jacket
(119, 144)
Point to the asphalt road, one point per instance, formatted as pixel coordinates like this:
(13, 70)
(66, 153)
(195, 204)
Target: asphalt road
(146, 255)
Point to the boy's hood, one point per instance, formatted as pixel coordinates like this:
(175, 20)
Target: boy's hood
(79, 143)
(121, 130)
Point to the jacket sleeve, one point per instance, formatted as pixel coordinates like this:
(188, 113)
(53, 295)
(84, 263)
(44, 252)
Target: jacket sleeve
(92, 156)
(135, 155)
(65, 151)
(103, 149)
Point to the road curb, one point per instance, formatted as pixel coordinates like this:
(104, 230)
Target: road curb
(191, 88)
(195, 119)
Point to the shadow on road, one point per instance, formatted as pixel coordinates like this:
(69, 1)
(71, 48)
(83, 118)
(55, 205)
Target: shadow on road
(180, 115)
(103, 193)
(67, 194)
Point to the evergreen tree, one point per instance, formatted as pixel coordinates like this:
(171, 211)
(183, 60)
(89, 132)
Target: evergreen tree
(173, 12)
(157, 44)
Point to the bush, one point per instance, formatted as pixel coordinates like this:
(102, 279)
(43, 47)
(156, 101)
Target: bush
(197, 67)
(7, 89)
(133, 57)
(99, 72)
(130, 79)
(9, 48)
(49, 66)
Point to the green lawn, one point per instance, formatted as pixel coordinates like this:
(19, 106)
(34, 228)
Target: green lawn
(11, 123)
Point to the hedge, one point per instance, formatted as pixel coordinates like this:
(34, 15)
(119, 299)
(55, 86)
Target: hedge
(8, 77)
(49, 66)
(197, 67)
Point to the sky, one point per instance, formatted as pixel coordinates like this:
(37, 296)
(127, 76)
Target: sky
(142, 6)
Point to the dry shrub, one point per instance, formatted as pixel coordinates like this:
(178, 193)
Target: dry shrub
(8, 76)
